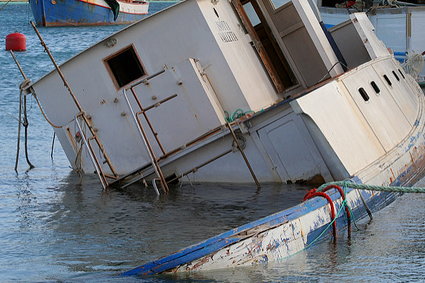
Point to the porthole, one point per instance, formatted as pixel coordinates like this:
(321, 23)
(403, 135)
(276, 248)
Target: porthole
(388, 80)
(363, 93)
(375, 87)
(216, 13)
(395, 75)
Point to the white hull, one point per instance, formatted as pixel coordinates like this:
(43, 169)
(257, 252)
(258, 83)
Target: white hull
(171, 123)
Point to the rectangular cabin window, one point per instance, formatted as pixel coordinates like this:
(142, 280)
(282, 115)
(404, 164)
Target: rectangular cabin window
(279, 3)
(125, 67)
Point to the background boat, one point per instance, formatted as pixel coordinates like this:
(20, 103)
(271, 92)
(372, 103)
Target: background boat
(87, 12)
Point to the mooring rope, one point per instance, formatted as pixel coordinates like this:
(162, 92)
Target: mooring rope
(236, 115)
(341, 186)
(394, 189)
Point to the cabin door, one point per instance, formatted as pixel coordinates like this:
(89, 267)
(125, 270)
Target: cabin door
(264, 42)
(289, 21)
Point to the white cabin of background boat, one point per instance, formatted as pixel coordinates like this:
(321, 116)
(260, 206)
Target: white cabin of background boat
(205, 50)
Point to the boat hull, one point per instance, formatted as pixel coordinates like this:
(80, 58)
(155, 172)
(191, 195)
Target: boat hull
(83, 13)
(273, 238)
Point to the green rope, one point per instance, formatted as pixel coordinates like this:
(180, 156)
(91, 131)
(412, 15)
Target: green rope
(395, 189)
(349, 184)
(236, 115)
(343, 204)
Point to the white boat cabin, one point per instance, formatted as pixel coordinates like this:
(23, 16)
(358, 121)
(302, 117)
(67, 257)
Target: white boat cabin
(398, 24)
(155, 98)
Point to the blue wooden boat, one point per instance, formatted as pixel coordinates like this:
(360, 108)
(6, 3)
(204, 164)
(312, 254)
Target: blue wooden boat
(272, 238)
(87, 12)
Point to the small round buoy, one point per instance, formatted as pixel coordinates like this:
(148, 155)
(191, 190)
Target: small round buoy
(16, 42)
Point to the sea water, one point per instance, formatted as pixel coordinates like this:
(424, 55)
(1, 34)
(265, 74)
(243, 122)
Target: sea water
(58, 226)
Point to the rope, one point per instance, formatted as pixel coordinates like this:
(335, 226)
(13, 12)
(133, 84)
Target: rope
(350, 184)
(236, 115)
(313, 193)
(44, 114)
(394, 189)
(24, 122)
(19, 130)
(342, 193)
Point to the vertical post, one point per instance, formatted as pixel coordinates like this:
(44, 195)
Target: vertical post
(235, 139)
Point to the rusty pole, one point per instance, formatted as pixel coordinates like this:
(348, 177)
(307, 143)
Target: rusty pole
(243, 155)
(74, 98)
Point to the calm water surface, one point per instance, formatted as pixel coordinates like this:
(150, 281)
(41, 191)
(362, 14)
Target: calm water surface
(56, 226)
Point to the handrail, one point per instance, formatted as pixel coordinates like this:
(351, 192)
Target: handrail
(148, 146)
(93, 158)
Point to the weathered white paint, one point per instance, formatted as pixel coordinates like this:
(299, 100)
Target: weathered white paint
(401, 29)
(270, 244)
(208, 62)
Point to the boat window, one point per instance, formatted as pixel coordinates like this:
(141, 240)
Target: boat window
(252, 15)
(388, 80)
(216, 13)
(395, 75)
(401, 73)
(363, 93)
(279, 3)
(125, 66)
(375, 87)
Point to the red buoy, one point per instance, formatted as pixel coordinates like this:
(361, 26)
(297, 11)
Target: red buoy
(16, 42)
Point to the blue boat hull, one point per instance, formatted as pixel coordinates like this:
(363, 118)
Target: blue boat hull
(209, 249)
(77, 13)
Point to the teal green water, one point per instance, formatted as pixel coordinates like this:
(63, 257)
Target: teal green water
(56, 226)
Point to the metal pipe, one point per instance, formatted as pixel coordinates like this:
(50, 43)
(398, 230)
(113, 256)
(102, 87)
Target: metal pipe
(159, 102)
(192, 142)
(155, 134)
(146, 79)
(200, 166)
(19, 65)
(92, 157)
(148, 146)
(74, 98)
(243, 155)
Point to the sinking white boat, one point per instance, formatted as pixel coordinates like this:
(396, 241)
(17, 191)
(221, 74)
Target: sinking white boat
(241, 92)
(400, 25)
